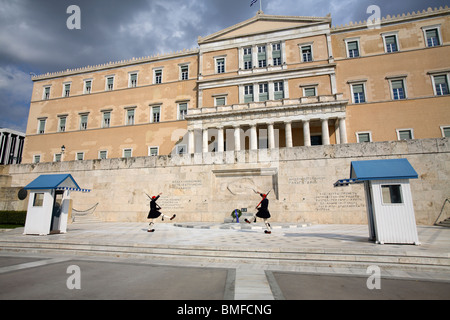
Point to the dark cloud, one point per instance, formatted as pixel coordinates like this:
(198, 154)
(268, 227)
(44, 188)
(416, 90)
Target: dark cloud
(34, 37)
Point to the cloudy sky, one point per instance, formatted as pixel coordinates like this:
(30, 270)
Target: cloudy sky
(34, 37)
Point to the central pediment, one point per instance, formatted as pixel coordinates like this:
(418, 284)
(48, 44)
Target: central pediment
(261, 24)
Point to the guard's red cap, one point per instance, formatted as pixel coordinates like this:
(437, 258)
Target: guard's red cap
(153, 197)
(264, 195)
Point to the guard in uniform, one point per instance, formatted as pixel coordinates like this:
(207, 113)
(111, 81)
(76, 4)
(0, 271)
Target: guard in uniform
(263, 212)
(155, 213)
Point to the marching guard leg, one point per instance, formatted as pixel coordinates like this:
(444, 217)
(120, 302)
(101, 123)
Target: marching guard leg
(150, 227)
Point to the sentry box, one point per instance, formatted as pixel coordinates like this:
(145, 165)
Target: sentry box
(389, 203)
(49, 204)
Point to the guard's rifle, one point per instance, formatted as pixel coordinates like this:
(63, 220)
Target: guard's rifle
(265, 196)
(158, 207)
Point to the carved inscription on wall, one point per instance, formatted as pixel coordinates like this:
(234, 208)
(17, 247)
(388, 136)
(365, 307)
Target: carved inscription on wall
(306, 180)
(331, 201)
(169, 204)
(185, 184)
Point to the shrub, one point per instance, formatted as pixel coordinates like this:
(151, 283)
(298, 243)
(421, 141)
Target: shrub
(13, 217)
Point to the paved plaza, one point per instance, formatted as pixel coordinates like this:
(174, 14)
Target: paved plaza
(201, 261)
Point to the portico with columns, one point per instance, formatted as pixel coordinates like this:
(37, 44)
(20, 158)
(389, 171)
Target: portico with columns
(268, 125)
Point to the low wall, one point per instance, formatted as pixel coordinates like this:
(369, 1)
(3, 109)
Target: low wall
(208, 187)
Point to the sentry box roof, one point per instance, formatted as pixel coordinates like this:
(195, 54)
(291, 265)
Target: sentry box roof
(55, 181)
(389, 169)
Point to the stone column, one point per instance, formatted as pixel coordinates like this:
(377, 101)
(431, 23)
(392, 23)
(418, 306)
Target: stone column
(237, 138)
(325, 132)
(271, 135)
(306, 133)
(191, 142)
(343, 130)
(220, 140)
(288, 134)
(253, 138)
(205, 140)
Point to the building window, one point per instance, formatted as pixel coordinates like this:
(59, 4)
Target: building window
(307, 53)
(38, 200)
(445, 131)
(83, 122)
(41, 129)
(132, 80)
(309, 92)
(153, 151)
(127, 153)
(352, 48)
(262, 62)
(181, 149)
(106, 123)
(79, 156)
(57, 157)
(276, 54)
(359, 95)
(405, 134)
(36, 159)
(441, 85)
(62, 124)
(157, 78)
(390, 43)
(46, 93)
(398, 89)
(110, 84)
(364, 137)
(103, 154)
(278, 90)
(220, 101)
(182, 111)
(220, 65)
(392, 194)
(130, 117)
(432, 36)
(248, 94)
(248, 58)
(263, 92)
(184, 70)
(156, 114)
(87, 86)
(66, 92)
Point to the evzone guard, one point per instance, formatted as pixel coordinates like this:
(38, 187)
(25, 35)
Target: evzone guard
(263, 212)
(155, 213)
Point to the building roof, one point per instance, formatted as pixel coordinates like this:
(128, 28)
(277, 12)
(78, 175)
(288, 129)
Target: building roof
(55, 181)
(263, 23)
(388, 169)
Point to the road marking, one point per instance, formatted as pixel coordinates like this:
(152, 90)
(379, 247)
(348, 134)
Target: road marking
(252, 285)
(33, 264)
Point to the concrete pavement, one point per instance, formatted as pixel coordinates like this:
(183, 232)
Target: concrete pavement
(245, 263)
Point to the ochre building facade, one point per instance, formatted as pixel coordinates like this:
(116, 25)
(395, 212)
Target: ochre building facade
(268, 82)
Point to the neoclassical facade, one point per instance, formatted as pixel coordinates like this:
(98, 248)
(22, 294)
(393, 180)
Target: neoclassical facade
(268, 82)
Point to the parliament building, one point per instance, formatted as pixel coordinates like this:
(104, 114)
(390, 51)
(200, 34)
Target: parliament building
(268, 82)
